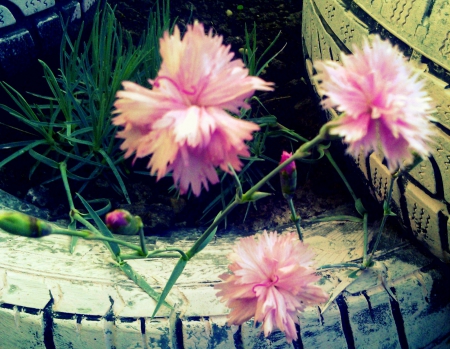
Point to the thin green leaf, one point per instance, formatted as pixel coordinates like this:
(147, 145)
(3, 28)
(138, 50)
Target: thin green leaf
(177, 271)
(77, 178)
(337, 218)
(345, 282)
(35, 124)
(78, 141)
(270, 120)
(101, 226)
(140, 281)
(79, 158)
(74, 240)
(22, 151)
(20, 101)
(57, 92)
(37, 163)
(116, 174)
(49, 162)
(100, 211)
(82, 131)
(201, 243)
(15, 144)
(271, 58)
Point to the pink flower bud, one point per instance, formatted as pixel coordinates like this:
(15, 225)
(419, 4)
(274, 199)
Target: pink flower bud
(289, 168)
(122, 222)
(288, 177)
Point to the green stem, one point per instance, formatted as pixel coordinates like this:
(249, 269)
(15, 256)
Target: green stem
(341, 174)
(180, 251)
(63, 170)
(160, 255)
(72, 224)
(291, 133)
(341, 265)
(79, 218)
(386, 214)
(142, 237)
(76, 216)
(300, 153)
(216, 222)
(89, 235)
(296, 219)
(336, 218)
(366, 239)
(237, 182)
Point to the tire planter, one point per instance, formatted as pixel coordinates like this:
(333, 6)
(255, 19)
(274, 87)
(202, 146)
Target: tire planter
(52, 299)
(421, 30)
(32, 29)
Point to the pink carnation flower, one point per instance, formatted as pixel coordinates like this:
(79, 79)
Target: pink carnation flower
(182, 120)
(385, 105)
(271, 280)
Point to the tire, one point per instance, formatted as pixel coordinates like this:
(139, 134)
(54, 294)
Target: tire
(50, 298)
(420, 29)
(31, 30)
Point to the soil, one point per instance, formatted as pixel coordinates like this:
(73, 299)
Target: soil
(319, 188)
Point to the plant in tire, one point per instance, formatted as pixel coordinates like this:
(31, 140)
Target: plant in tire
(74, 122)
(183, 124)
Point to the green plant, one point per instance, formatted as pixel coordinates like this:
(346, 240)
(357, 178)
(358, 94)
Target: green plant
(250, 175)
(256, 64)
(74, 122)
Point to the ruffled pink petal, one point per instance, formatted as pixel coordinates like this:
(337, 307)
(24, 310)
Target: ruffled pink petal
(271, 279)
(181, 122)
(385, 105)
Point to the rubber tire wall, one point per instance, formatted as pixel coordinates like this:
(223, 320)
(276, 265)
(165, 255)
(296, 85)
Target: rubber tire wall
(31, 30)
(421, 29)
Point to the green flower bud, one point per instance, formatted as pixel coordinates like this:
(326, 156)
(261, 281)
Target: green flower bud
(21, 224)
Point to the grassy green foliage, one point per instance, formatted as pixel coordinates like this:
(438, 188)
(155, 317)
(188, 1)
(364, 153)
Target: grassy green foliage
(74, 121)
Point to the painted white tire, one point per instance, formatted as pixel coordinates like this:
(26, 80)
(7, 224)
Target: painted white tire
(52, 299)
